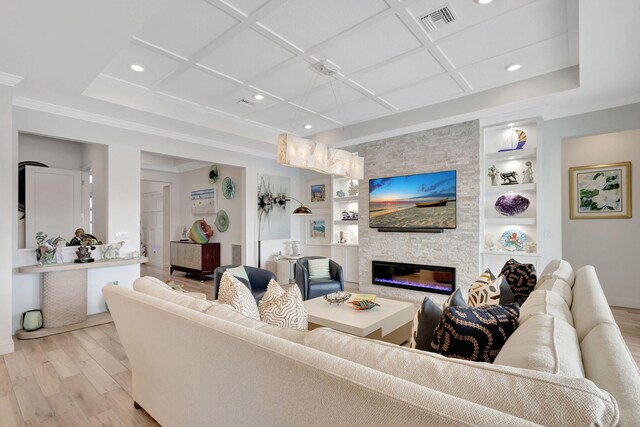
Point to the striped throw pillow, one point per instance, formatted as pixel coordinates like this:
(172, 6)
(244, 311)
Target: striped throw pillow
(319, 268)
(234, 293)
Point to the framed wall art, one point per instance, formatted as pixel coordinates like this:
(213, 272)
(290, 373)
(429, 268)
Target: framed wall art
(318, 193)
(318, 231)
(600, 191)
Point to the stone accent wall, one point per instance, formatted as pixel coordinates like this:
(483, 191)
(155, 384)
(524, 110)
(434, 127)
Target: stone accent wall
(446, 148)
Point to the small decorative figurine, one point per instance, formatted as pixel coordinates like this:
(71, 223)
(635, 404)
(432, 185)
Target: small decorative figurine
(339, 193)
(522, 139)
(353, 188)
(342, 239)
(48, 251)
(509, 178)
(527, 174)
(80, 235)
(112, 251)
(493, 174)
(295, 248)
(84, 251)
(349, 215)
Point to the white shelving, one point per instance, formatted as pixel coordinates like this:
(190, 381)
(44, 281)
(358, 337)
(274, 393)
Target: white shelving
(494, 246)
(345, 254)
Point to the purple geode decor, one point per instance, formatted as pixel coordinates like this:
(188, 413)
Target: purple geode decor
(511, 204)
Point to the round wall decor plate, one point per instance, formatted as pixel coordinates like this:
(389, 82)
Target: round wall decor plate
(228, 188)
(222, 221)
(513, 240)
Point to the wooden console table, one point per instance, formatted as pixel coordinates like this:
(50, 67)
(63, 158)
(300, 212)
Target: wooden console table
(195, 258)
(64, 296)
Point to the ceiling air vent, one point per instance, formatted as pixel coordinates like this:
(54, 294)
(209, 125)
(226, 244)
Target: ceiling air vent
(438, 18)
(245, 102)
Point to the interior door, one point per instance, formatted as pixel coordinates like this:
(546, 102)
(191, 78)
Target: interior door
(152, 226)
(53, 203)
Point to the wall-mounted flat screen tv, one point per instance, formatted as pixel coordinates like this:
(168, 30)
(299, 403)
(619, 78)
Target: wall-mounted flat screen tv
(422, 201)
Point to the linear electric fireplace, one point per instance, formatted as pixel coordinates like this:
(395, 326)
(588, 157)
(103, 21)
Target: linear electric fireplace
(427, 278)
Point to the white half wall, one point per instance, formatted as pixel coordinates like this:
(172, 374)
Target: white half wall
(8, 211)
(611, 245)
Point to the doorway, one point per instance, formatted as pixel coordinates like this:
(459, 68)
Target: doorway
(155, 200)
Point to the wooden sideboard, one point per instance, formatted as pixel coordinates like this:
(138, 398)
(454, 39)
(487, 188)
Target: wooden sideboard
(195, 258)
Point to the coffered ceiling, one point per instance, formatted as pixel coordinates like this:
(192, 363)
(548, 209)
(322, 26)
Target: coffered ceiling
(201, 57)
(216, 55)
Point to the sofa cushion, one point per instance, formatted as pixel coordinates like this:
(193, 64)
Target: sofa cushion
(156, 288)
(521, 279)
(609, 364)
(488, 290)
(558, 269)
(558, 286)
(234, 293)
(319, 268)
(537, 396)
(543, 343)
(225, 312)
(545, 302)
(590, 307)
(285, 308)
(475, 333)
(456, 298)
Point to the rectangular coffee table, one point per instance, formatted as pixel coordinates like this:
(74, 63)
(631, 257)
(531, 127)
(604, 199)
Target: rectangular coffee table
(391, 322)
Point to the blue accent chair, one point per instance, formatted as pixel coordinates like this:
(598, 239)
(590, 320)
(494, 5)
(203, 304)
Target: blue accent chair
(313, 288)
(257, 284)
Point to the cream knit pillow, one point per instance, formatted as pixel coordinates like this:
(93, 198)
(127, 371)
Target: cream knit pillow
(283, 308)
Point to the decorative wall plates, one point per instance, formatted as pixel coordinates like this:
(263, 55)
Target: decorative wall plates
(222, 221)
(228, 188)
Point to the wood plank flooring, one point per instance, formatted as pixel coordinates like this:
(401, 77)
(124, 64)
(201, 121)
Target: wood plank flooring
(78, 378)
(83, 378)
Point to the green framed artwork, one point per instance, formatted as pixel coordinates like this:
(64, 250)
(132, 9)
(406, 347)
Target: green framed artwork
(600, 191)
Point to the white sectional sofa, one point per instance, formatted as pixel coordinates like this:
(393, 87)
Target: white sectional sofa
(203, 364)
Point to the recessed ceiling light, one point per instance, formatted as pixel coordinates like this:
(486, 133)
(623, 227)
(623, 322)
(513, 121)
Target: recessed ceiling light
(483, 1)
(511, 124)
(258, 97)
(137, 68)
(308, 126)
(512, 67)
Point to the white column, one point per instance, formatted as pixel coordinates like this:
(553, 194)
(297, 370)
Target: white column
(8, 207)
(124, 197)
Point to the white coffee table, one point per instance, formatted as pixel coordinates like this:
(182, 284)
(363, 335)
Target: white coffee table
(391, 322)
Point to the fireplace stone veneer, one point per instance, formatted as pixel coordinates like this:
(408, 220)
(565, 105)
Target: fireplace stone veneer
(417, 277)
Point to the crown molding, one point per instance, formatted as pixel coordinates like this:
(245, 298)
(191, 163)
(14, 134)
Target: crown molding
(7, 79)
(60, 110)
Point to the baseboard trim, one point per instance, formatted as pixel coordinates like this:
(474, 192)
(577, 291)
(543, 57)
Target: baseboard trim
(6, 347)
(624, 302)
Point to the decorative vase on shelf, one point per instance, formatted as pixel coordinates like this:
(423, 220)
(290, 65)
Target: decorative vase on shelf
(32, 320)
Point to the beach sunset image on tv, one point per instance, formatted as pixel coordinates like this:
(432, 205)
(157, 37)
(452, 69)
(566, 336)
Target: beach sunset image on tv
(413, 201)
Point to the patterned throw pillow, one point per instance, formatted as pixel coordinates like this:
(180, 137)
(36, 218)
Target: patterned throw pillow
(427, 318)
(319, 268)
(274, 291)
(521, 279)
(234, 293)
(487, 290)
(475, 333)
(285, 310)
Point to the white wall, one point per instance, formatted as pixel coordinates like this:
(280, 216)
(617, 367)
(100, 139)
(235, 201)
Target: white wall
(8, 214)
(554, 132)
(198, 179)
(124, 176)
(95, 156)
(611, 245)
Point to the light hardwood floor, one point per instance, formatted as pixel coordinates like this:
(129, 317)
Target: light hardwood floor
(83, 378)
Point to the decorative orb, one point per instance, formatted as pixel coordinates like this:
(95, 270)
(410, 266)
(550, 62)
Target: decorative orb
(200, 232)
(32, 320)
(511, 204)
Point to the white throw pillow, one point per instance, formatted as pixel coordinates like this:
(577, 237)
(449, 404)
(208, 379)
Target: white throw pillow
(284, 308)
(234, 293)
(487, 290)
(319, 268)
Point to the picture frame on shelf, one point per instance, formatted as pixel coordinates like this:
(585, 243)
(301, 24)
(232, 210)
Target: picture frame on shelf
(600, 191)
(318, 193)
(318, 230)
